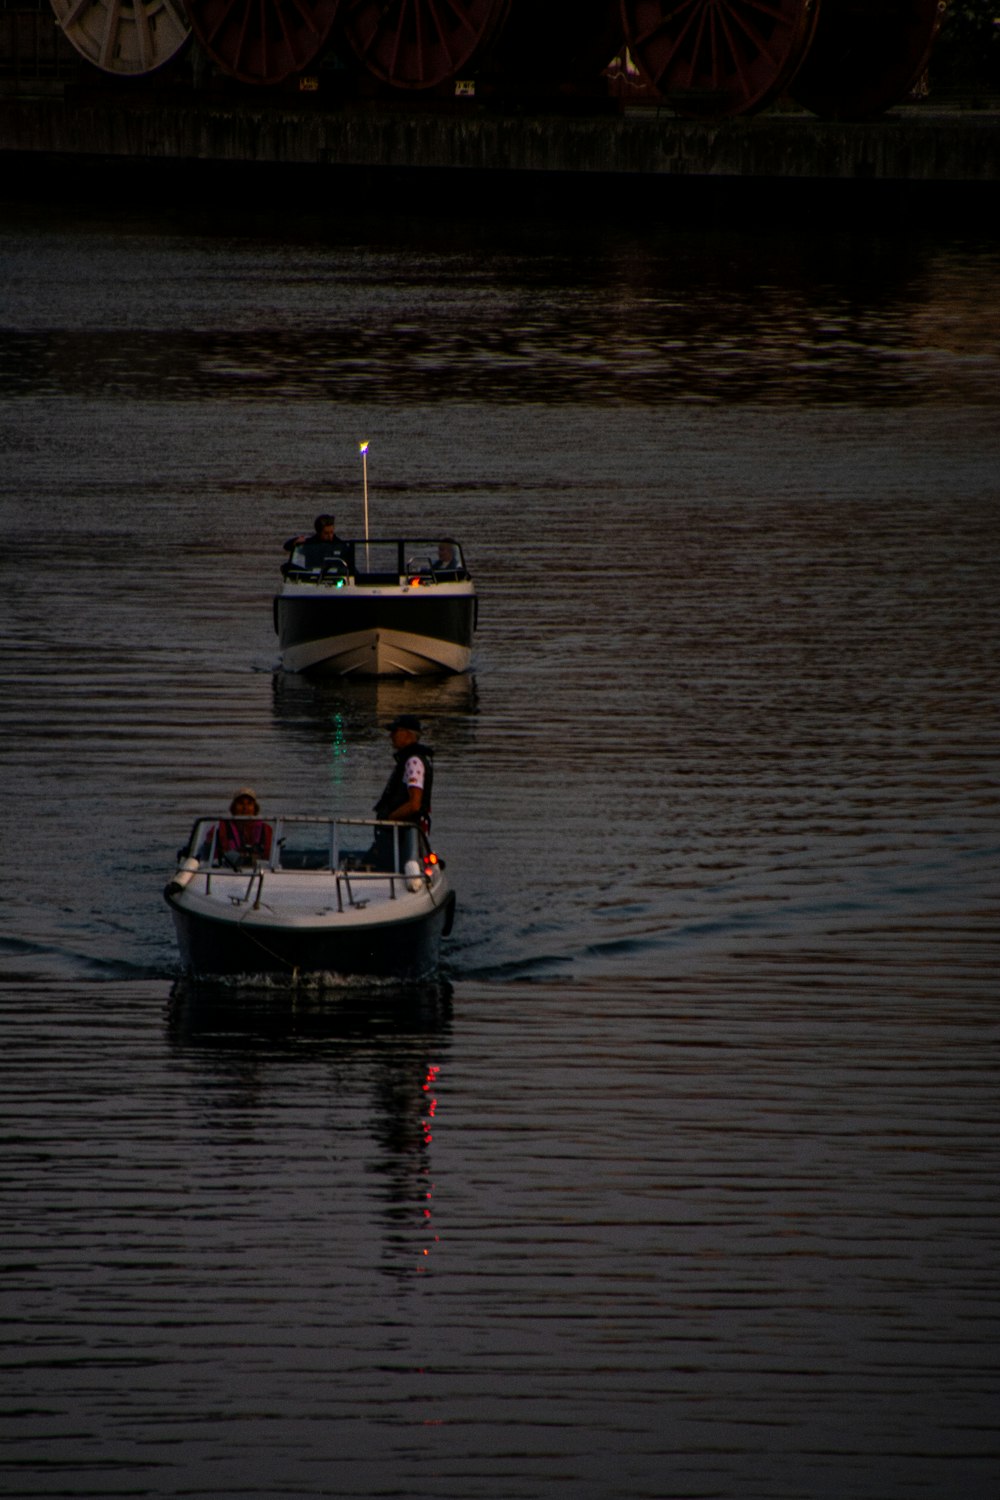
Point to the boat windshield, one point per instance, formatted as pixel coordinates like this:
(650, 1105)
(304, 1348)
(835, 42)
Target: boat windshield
(396, 559)
(305, 844)
(319, 561)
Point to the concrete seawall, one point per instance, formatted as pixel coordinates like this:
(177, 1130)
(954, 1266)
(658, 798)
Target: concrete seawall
(913, 145)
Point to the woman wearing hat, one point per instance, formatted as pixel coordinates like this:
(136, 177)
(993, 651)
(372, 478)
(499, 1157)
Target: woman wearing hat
(247, 837)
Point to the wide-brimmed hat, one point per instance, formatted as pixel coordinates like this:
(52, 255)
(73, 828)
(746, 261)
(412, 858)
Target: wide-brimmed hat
(405, 721)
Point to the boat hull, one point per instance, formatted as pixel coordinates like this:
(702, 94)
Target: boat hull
(405, 949)
(378, 634)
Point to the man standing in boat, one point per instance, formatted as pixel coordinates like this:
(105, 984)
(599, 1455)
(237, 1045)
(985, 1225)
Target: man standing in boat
(407, 794)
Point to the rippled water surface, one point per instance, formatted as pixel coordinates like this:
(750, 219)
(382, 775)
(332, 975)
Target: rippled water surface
(683, 1183)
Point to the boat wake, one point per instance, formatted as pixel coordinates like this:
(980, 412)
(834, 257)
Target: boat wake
(23, 961)
(318, 984)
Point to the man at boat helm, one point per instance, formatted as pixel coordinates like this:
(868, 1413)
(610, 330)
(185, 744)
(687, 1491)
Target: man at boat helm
(407, 794)
(322, 546)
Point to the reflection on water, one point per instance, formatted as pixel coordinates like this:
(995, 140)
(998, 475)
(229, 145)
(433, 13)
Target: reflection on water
(530, 315)
(340, 712)
(270, 1020)
(380, 1055)
(739, 1225)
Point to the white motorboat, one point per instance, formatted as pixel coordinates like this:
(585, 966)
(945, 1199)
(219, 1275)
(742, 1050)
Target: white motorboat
(378, 607)
(315, 896)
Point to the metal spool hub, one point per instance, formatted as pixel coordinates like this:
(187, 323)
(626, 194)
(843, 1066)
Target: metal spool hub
(867, 55)
(418, 44)
(126, 38)
(713, 58)
(262, 41)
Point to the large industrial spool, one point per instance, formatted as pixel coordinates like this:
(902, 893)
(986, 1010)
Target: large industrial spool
(262, 41)
(843, 59)
(420, 44)
(124, 38)
(714, 58)
(867, 55)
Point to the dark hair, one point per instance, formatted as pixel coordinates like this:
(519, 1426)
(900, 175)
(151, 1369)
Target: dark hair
(322, 521)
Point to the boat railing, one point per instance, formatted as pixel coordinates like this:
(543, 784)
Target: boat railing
(355, 850)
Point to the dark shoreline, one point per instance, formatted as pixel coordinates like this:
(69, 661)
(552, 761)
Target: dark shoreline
(917, 169)
(914, 144)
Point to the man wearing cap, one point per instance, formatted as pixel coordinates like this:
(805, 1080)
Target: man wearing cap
(407, 794)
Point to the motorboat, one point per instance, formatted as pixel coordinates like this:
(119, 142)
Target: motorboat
(376, 607)
(333, 897)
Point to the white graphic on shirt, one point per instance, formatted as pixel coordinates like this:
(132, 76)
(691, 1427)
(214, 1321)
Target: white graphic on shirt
(413, 773)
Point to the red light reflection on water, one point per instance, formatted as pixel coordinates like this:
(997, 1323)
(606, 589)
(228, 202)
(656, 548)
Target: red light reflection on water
(430, 1111)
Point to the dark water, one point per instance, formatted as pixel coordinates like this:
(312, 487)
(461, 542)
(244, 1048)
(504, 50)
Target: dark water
(684, 1184)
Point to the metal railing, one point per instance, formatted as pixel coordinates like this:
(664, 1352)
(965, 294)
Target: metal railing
(329, 847)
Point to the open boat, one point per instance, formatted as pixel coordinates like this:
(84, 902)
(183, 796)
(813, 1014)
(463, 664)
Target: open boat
(402, 606)
(319, 896)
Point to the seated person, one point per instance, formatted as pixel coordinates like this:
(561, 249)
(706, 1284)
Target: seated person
(447, 564)
(319, 549)
(244, 840)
